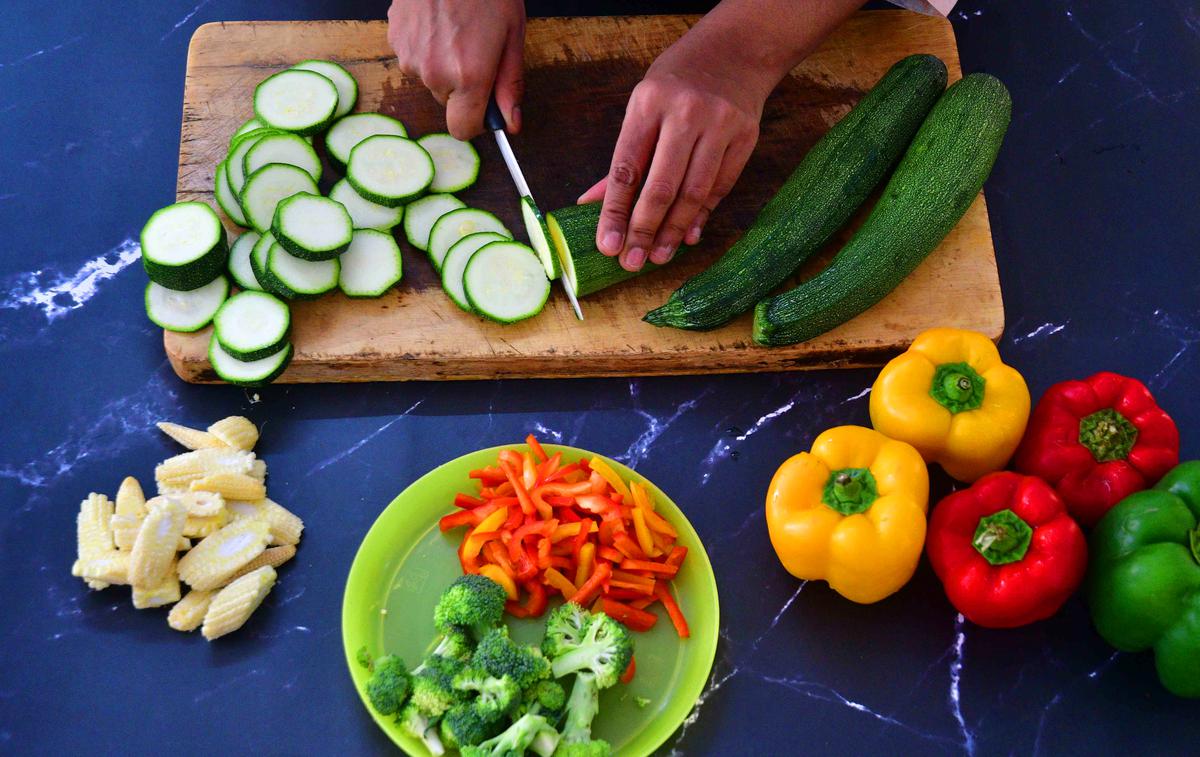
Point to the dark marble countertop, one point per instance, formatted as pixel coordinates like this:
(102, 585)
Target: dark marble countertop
(1094, 211)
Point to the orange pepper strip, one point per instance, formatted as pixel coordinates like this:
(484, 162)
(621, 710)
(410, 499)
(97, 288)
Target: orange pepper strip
(497, 574)
(608, 474)
(543, 553)
(610, 554)
(642, 603)
(657, 523)
(641, 497)
(543, 508)
(637, 620)
(536, 447)
(636, 589)
(468, 517)
(597, 483)
(598, 605)
(559, 581)
(663, 542)
(548, 468)
(518, 488)
(495, 552)
(529, 474)
(587, 557)
(628, 547)
(649, 567)
(622, 575)
(630, 671)
(664, 595)
(591, 588)
(643, 533)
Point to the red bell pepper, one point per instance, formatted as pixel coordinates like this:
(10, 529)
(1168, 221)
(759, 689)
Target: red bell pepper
(1097, 441)
(1006, 550)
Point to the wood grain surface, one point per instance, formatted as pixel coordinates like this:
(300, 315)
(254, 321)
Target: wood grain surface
(580, 73)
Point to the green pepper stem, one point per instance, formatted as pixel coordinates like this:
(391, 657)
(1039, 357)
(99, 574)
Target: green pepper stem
(850, 490)
(1108, 435)
(1002, 537)
(957, 387)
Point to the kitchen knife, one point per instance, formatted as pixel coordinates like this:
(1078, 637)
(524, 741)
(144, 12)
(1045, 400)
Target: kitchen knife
(494, 120)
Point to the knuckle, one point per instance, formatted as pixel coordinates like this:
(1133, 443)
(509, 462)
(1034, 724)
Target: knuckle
(693, 195)
(615, 214)
(658, 193)
(625, 174)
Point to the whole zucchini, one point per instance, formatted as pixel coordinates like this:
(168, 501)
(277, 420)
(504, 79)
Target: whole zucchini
(937, 180)
(831, 182)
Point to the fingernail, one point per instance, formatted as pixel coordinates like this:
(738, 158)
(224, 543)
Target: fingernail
(693, 235)
(635, 259)
(662, 255)
(514, 118)
(612, 242)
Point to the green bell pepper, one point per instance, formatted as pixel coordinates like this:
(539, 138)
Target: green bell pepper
(1144, 577)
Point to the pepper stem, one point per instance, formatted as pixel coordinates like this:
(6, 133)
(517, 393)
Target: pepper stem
(1002, 537)
(957, 387)
(850, 490)
(1108, 435)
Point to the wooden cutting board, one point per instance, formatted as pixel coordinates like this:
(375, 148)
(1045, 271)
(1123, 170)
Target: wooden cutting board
(580, 73)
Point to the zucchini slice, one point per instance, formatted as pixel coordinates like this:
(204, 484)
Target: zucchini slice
(365, 214)
(298, 101)
(421, 215)
(249, 124)
(185, 311)
(539, 237)
(294, 278)
(312, 227)
(184, 246)
(259, 257)
(573, 231)
(455, 163)
(457, 224)
(267, 186)
(240, 266)
(505, 282)
(282, 147)
(251, 373)
(347, 132)
(235, 162)
(347, 87)
(252, 325)
(456, 263)
(371, 265)
(226, 198)
(389, 170)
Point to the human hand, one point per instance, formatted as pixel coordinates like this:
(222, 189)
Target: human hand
(461, 49)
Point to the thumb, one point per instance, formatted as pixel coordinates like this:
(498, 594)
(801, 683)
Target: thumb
(510, 79)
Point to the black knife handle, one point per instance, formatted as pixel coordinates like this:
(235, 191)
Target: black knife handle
(493, 118)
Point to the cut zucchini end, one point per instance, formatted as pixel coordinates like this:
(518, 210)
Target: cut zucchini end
(539, 237)
(188, 311)
(252, 373)
(562, 252)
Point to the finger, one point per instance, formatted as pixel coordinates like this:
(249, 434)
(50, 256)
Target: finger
(596, 192)
(630, 157)
(671, 156)
(736, 157)
(696, 228)
(697, 184)
(464, 110)
(510, 79)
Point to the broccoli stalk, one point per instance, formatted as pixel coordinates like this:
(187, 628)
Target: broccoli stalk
(525, 733)
(416, 724)
(581, 709)
(388, 685)
(472, 603)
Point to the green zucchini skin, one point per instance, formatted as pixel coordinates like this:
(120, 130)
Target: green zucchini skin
(831, 182)
(594, 270)
(937, 180)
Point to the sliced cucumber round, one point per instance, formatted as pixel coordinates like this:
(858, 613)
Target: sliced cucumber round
(226, 198)
(347, 132)
(235, 162)
(456, 262)
(282, 147)
(539, 237)
(185, 311)
(297, 101)
(267, 186)
(371, 265)
(365, 214)
(347, 87)
(457, 224)
(294, 278)
(252, 325)
(389, 170)
(240, 266)
(258, 264)
(455, 163)
(184, 246)
(312, 227)
(250, 124)
(421, 215)
(505, 282)
(249, 373)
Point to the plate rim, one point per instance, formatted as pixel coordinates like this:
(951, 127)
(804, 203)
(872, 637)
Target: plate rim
(707, 655)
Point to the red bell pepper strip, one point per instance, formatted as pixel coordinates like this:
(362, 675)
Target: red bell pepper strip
(466, 501)
(627, 546)
(650, 566)
(1006, 550)
(547, 469)
(535, 604)
(1097, 441)
(663, 593)
(489, 476)
(592, 587)
(617, 592)
(676, 556)
(543, 552)
(514, 480)
(643, 602)
(630, 670)
(562, 472)
(637, 620)
(610, 554)
(468, 517)
(536, 447)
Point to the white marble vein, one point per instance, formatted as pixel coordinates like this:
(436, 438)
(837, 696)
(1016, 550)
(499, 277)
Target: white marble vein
(955, 694)
(722, 449)
(1042, 331)
(1188, 336)
(185, 19)
(545, 432)
(857, 397)
(42, 52)
(57, 293)
(637, 450)
(714, 685)
(362, 442)
(779, 615)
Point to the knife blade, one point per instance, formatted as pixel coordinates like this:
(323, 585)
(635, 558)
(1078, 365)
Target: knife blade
(494, 120)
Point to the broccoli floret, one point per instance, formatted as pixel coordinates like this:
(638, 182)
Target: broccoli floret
(565, 629)
(496, 695)
(454, 643)
(525, 733)
(604, 649)
(596, 748)
(473, 603)
(464, 724)
(500, 656)
(433, 689)
(546, 698)
(641, 701)
(418, 725)
(389, 685)
(364, 658)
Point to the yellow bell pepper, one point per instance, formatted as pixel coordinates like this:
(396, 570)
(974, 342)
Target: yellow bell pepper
(851, 512)
(952, 398)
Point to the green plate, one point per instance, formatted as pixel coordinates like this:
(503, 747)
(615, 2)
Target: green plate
(405, 562)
